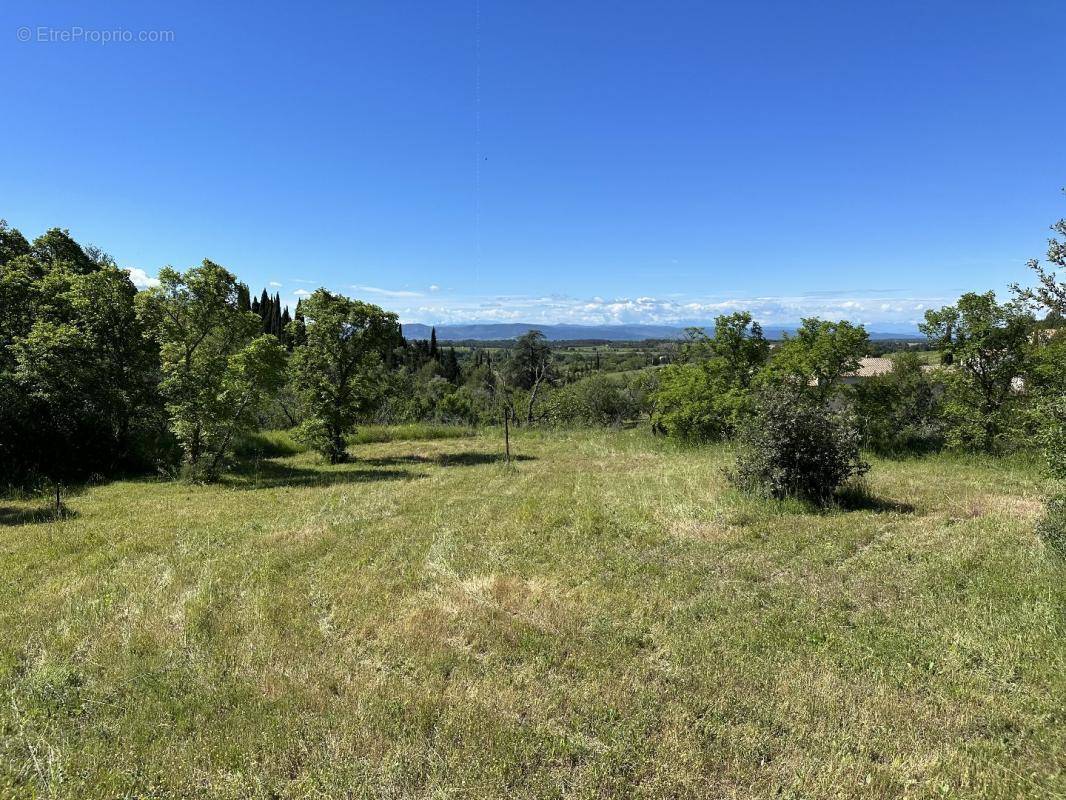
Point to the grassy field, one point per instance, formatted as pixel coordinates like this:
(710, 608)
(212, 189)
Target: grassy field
(603, 618)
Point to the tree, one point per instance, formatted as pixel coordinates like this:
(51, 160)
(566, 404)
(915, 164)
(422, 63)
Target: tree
(595, 400)
(820, 354)
(12, 243)
(739, 342)
(1050, 292)
(56, 246)
(900, 411)
(1046, 378)
(707, 394)
(449, 365)
(529, 366)
(217, 369)
(77, 377)
(988, 345)
(275, 316)
(244, 297)
(686, 404)
(339, 371)
(297, 332)
(694, 348)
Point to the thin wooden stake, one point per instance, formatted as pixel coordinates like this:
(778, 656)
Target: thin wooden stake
(507, 434)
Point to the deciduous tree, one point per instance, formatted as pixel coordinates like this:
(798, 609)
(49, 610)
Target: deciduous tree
(217, 368)
(988, 344)
(339, 370)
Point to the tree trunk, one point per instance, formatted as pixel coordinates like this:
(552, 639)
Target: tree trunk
(216, 462)
(533, 398)
(288, 414)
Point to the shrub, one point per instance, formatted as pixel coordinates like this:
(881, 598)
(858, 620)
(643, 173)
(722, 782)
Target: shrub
(900, 412)
(1052, 528)
(797, 446)
(596, 400)
(1053, 413)
(688, 404)
(466, 406)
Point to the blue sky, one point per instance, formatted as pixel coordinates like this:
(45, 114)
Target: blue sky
(550, 162)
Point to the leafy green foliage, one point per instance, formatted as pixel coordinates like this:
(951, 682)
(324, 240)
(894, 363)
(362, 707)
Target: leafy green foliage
(797, 446)
(819, 355)
(339, 373)
(77, 376)
(1050, 291)
(708, 394)
(467, 405)
(987, 344)
(217, 369)
(900, 412)
(689, 404)
(594, 401)
(1054, 434)
(529, 362)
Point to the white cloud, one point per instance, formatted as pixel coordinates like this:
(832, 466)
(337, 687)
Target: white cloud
(141, 279)
(302, 293)
(434, 288)
(870, 308)
(386, 292)
(275, 284)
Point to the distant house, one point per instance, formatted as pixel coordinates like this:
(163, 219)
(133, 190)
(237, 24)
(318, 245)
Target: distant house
(871, 367)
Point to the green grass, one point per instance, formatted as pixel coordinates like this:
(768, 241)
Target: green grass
(603, 618)
(370, 434)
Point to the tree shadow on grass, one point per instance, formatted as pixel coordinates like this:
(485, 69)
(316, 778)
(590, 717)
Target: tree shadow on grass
(861, 499)
(271, 474)
(10, 516)
(446, 459)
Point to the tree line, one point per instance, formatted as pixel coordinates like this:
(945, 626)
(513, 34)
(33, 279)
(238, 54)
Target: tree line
(98, 378)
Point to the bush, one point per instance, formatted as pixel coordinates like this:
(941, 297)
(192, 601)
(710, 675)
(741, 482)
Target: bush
(1053, 413)
(900, 412)
(1052, 528)
(596, 400)
(467, 406)
(797, 446)
(694, 403)
(316, 434)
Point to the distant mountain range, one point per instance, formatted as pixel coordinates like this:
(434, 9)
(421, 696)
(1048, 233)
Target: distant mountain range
(497, 331)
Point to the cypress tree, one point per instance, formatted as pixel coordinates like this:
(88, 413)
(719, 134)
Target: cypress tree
(433, 353)
(244, 298)
(299, 337)
(275, 315)
(264, 309)
(285, 337)
(450, 366)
